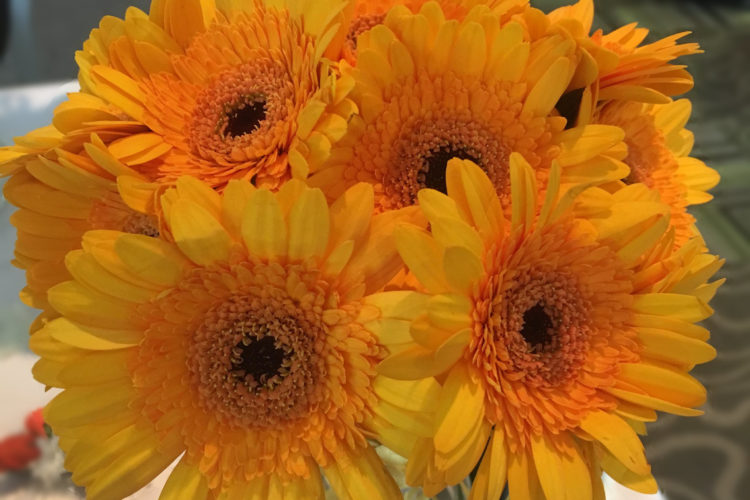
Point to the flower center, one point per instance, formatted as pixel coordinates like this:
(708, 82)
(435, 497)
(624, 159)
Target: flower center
(422, 152)
(243, 114)
(246, 117)
(257, 360)
(436, 163)
(538, 329)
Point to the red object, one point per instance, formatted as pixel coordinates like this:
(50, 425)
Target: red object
(17, 451)
(35, 423)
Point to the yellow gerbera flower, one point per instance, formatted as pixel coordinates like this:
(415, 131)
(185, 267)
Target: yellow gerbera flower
(627, 69)
(369, 13)
(555, 337)
(658, 156)
(235, 91)
(429, 89)
(242, 346)
(64, 192)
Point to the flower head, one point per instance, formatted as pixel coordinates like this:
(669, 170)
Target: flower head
(241, 346)
(554, 336)
(658, 157)
(430, 89)
(226, 92)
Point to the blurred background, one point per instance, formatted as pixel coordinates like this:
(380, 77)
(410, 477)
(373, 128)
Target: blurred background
(704, 458)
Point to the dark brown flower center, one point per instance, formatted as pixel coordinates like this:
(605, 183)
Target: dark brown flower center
(436, 163)
(246, 117)
(538, 329)
(260, 359)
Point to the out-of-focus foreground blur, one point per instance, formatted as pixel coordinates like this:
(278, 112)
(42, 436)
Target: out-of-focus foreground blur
(702, 458)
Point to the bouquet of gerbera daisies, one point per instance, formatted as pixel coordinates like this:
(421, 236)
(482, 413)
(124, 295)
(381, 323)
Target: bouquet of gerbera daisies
(268, 237)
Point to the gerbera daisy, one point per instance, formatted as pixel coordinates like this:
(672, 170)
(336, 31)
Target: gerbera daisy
(658, 156)
(369, 13)
(629, 70)
(64, 193)
(238, 91)
(430, 89)
(242, 346)
(554, 337)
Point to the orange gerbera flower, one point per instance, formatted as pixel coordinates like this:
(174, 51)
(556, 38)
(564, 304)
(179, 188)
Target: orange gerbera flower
(555, 337)
(430, 89)
(658, 156)
(242, 346)
(238, 91)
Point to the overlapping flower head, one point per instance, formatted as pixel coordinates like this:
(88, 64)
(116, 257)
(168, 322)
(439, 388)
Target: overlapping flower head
(555, 337)
(633, 89)
(242, 344)
(151, 86)
(658, 156)
(234, 92)
(429, 89)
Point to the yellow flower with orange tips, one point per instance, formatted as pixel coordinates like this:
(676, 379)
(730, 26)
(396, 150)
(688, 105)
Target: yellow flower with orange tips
(658, 156)
(242, 346)
(429, 89)
(554, 337)
(227, 89)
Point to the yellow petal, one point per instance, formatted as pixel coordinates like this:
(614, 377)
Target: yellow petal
(183, 19)
(361, 476)
(423, 255)
(233, 203)
(652, 402)
(460, 410)
(185, 481)
(664, 382)
(492, 472)
(309, 225)
(462, 268)
(85, 269)
(547, 91)
(198, 234)
(80, 303)
(619, 438)
(151, 260)
(523, 481)
(413, 395)
(263, 227)
(399, 304)
(473, 191)
(351, 213)
(642, 483)
(672, 305)
(200, 193)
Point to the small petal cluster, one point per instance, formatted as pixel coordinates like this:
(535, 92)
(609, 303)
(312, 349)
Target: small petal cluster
(359, 249)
